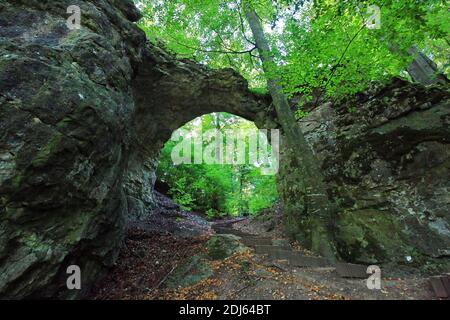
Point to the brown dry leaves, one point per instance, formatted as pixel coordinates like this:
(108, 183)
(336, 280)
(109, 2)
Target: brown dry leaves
(144, 262)
(203, 290)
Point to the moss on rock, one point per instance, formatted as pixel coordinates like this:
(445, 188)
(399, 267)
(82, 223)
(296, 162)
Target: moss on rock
(221, 246)
(369, 236)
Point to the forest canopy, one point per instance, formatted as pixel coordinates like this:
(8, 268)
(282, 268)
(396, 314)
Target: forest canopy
(319, 46)
(217, 189)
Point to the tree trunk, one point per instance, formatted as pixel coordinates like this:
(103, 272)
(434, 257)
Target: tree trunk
(316, 202)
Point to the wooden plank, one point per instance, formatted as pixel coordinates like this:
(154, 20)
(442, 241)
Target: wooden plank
(446, 282)
(282, 243)
(438, 287)
(349, 270)
(252, 242)
(272, 251)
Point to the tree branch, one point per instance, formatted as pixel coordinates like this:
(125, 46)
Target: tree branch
(333, 70)
(342, 56)
(214, 51)
(241, 20)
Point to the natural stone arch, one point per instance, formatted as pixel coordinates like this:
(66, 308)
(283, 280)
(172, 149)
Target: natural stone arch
(169, 93)
(183, 135)
(175, 92)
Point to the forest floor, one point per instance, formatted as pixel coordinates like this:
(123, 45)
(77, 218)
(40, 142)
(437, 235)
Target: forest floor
(157, 248)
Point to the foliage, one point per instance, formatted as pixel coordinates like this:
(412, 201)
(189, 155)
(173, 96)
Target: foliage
(334, 51)
(217, 190)
(322, 47)
(179, 194)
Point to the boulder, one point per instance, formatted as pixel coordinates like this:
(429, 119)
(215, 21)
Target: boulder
(385, 154)
(66, 108)
(222, 246)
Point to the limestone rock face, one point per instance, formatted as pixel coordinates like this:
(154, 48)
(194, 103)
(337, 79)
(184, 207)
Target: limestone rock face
(386, 157)
(66, 107)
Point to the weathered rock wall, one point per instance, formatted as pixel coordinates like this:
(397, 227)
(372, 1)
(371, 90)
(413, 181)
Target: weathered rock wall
(83, 116)
(386, 157)
(66, 107)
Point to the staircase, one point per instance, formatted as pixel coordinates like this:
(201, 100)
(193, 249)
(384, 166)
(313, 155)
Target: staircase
(280, 249)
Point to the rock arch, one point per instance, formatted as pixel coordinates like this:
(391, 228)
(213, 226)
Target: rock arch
(169, 93)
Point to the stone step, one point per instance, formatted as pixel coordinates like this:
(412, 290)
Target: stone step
(230, 231)
(227, 223)
(441, 286)
(284, 243)
(274, 252)
(299, 260)
(252, 242)
(345, 270)
(350, 270)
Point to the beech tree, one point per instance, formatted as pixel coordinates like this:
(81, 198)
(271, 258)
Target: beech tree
(315, 197)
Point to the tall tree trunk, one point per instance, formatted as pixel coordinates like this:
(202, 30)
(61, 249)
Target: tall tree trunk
(315, 199)
(241, 200)
(219, 140)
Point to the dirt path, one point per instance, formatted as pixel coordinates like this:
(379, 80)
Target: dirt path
(266, 267)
